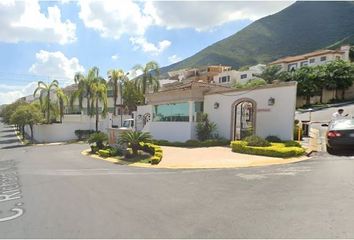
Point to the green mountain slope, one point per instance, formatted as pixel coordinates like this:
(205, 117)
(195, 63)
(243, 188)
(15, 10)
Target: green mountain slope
(300, 28)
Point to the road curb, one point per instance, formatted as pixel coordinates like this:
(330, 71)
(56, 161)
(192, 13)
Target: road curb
(144, 165)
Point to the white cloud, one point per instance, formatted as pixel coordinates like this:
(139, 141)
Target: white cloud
(113, 18)
(148, 47)
(56, 65)
(173, 59)
(10, 93)
(204, 15)
(115, 57)
(23, 21)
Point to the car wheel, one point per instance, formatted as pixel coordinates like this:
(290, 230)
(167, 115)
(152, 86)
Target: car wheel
(331, 150)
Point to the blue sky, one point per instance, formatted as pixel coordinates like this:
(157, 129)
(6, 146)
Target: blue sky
(54, 39)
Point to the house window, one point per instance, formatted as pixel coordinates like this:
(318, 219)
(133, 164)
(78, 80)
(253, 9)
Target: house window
(225, 79)
(109, 93)
(304, 63)
(173, 112)
(323, 58)
(292, 67)
(312, 60)
(198, 111)
(243, 76)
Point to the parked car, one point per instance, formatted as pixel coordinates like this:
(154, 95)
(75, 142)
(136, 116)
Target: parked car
(340, 135)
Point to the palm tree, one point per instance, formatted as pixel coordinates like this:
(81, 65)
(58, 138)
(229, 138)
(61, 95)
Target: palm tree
(62, 101)
(150, 76)
(44, 95)
(80, 93)
(133, 138)
(98, 89)
(115, 76)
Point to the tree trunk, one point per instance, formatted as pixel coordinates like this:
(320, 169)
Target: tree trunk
(321, 95)
(336, 93)
(88, 105)
(343, 94)
(48, 107)
(135, 150)
(31, 127)
(308, 100)
(96, 114)
(23, 132)
(115, 91)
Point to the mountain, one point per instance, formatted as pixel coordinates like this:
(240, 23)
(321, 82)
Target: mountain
(302, 27)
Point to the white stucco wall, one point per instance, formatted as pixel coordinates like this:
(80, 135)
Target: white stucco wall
(58, 132)
(275, 120)
(172, 131)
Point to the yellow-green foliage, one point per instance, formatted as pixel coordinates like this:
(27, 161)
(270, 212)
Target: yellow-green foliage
(275, 150)
(154, 150)
(104, 153)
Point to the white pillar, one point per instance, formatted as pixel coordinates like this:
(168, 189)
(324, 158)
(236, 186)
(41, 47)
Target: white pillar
(191, 110)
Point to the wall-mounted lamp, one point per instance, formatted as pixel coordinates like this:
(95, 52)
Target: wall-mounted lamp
(216, 105)
(271, 101)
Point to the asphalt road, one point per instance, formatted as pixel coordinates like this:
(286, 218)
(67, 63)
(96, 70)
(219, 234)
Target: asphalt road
(62, 194)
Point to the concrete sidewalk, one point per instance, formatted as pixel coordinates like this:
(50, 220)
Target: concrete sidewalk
(215, 157)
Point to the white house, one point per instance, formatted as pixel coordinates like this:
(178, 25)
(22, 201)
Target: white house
(230, 77)
(174, 113)
(315, 58)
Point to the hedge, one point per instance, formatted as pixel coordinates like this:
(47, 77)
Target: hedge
(104, 153)
(193, 143)
(275, 150)
(154, 150)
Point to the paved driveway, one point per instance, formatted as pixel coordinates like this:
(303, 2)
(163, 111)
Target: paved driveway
(66, 195)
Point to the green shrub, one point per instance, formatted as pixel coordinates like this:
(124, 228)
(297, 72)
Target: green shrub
(94, 149)
(273, 139)
(194, 143)
(99, 138)
(155, 160)
(133, 139)
(275, 150)
(256, 141)
(205, 129)
(115, 151)
(104, 153)
(292, 144)
(83, 134)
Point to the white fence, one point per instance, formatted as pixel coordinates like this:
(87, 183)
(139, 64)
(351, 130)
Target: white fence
(59, 132)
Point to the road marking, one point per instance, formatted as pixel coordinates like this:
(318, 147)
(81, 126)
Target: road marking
(9, 190)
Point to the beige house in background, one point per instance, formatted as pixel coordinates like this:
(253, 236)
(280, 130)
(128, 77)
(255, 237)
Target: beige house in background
(230, 77)
(315, 58)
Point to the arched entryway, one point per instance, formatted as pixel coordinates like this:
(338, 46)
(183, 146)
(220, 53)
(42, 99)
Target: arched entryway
(243, 121)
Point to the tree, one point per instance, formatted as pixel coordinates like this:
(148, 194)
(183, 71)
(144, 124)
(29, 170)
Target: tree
(339, 75)
(8, 110)
(132, 96)
(251, 83)
(84, 84)
(98, 88)
(271, 73)
(308, 86)
(62, 102)
(149, 78)
(205, 128)
(99, 138)
(26, 115)
(116, 76)
(133, 138)
(44, 95)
